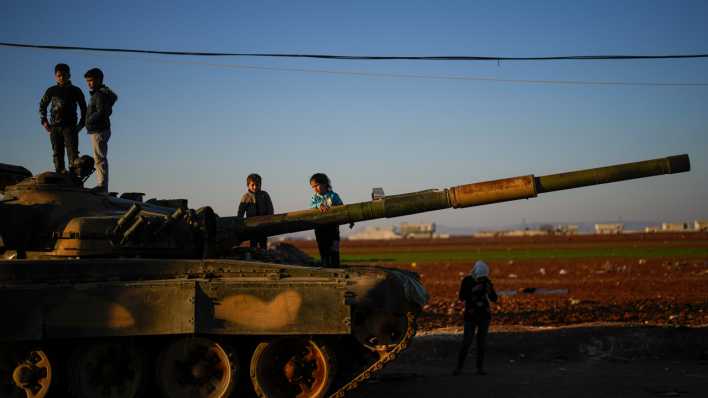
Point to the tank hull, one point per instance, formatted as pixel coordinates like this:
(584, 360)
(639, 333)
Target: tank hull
(62, 308)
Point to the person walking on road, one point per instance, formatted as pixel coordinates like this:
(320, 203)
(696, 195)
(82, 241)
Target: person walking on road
(476, 291)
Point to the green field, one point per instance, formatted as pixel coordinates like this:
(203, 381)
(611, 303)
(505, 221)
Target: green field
(524, 254)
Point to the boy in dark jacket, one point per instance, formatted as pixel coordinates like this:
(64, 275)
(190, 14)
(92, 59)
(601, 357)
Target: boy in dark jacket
(255, 202)
(476, 290)
(98, 124)
(62, 126)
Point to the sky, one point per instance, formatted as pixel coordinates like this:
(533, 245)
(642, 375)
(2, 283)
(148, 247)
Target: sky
(190, 127)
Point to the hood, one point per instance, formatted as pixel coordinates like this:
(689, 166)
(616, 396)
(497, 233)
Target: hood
(109, 93)
(105, 90)
(480, 270)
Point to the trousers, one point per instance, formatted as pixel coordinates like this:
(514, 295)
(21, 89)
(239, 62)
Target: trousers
(63, 138)
(99, 142)
(482, 328)
(328, 244)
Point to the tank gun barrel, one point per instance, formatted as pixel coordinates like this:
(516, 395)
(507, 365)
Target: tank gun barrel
(461, 196)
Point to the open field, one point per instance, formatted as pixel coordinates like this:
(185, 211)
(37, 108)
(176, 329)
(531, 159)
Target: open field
(650, 279)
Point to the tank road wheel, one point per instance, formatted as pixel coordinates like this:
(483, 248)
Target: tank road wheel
(196, 367)
(107, 370)
(27, 374)
(291, 367)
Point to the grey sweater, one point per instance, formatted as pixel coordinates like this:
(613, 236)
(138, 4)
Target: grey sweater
(99, 109)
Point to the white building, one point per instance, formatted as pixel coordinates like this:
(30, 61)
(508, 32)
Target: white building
(412, 231)
(524, 232)
(485, 234)
(609, 229)
(375, 233)
(700, 225)
(674, 227)
(566, 229)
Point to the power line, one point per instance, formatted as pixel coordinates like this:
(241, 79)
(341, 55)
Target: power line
(401, 75)
(438, 77)
(361, 57)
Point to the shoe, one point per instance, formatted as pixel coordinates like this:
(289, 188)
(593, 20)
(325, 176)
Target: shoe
(481, 372)
(456, 372)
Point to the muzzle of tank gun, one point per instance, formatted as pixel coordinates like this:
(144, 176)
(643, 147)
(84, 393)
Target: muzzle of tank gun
(529, 186)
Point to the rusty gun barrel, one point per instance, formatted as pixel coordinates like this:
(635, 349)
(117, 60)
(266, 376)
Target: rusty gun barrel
(480, 193)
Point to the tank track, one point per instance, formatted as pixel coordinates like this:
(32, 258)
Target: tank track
(387, 354)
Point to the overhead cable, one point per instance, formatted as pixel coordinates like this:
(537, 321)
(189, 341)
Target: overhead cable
(360, 57)
(438, 77)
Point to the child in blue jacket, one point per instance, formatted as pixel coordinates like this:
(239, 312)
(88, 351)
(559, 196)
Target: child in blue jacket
(327, 235)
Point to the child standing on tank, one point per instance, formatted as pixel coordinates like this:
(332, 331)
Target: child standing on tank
(476, 291)
(327, 235)
(255, 202)
(63, 126)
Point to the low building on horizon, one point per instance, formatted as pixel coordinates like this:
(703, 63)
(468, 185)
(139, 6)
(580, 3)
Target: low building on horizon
(674, 227)
(609, 229)
(416, 231)
(375, 233)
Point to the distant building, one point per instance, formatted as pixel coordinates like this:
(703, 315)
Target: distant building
(512, 233)
(416, 231)
(375, 233)
(485, 234)
(674, 227)
(567, 229)
(700, 225)
(524, 232)
(609, 229)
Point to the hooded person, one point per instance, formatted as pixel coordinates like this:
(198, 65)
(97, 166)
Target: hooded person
(476, 290)
(98, 124)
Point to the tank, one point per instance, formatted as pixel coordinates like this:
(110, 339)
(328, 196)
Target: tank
(106, 296)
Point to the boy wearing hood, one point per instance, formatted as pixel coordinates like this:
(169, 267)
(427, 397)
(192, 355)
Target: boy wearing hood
(98, 124)
(476, 291)
(62, 125)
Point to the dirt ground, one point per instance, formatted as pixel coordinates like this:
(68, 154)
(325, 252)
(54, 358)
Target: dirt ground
(641, 310)
(555, 292)
(547, 379)
(596, 360)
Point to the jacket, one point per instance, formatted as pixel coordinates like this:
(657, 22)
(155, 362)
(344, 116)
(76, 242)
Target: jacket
(255, 204)
(99, 109)
(329, 198)
(64, 100)
(476, 293)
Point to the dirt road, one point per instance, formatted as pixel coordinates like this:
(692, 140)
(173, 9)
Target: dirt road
(598, 361)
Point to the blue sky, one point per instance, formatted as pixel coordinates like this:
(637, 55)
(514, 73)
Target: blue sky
(194, 127)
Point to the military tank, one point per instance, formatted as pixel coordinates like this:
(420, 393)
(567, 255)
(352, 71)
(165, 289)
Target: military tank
(106, 296)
